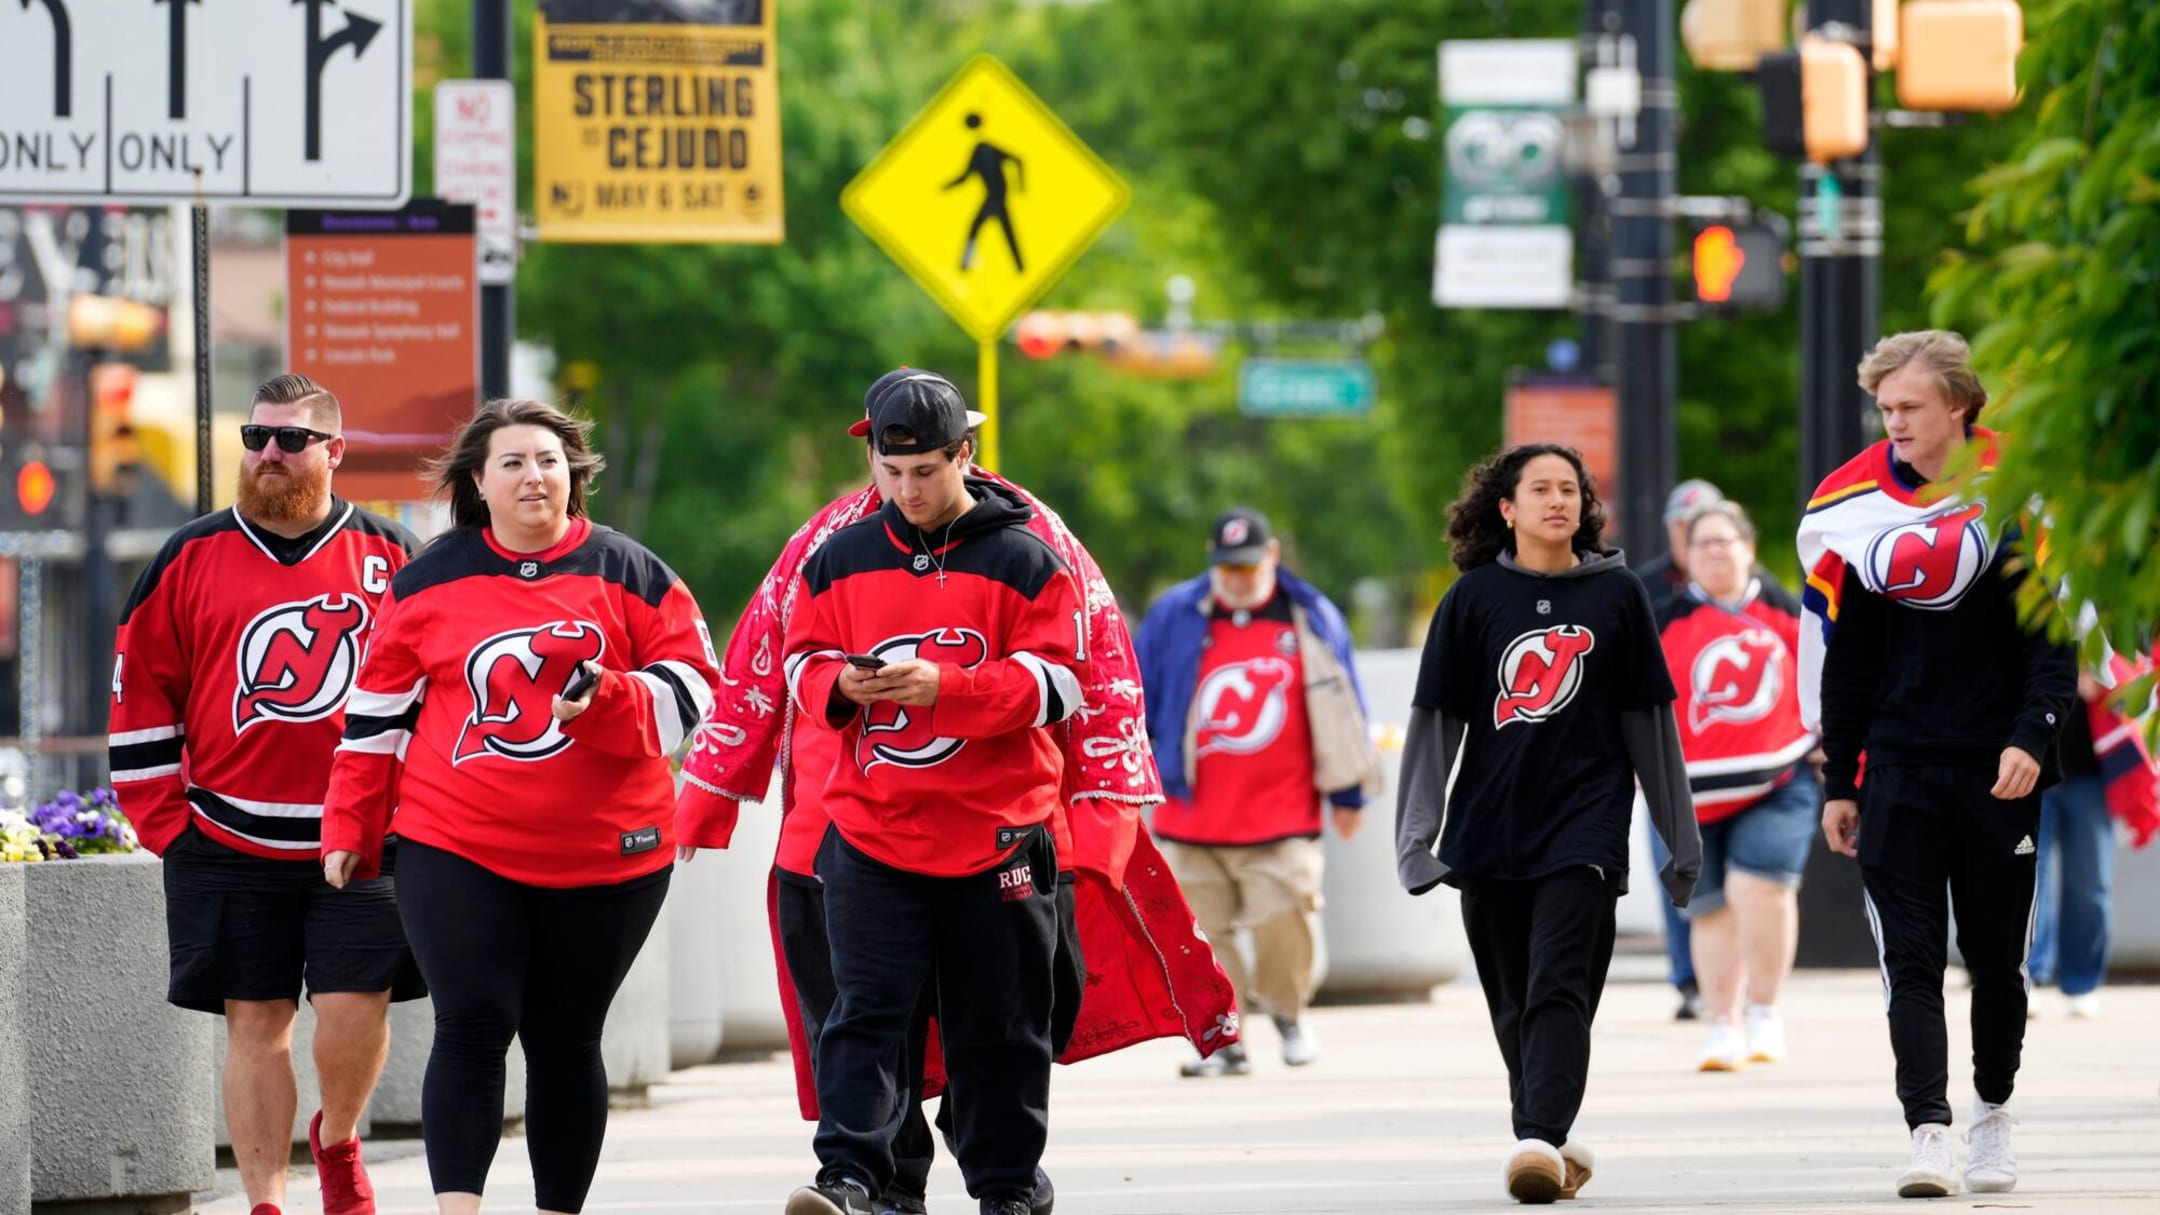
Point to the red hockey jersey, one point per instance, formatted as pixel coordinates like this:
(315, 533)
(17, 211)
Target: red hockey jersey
(1738, 671)
(452, 723)
(230, 672)
(949, 789)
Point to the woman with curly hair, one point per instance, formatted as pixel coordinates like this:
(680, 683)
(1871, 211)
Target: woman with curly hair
(1543, 674)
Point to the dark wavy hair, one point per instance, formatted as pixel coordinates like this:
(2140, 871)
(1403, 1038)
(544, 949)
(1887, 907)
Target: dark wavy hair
(1477, 535)
(453, 471)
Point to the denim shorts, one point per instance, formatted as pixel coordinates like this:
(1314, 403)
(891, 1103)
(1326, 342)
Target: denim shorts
(1768, 840)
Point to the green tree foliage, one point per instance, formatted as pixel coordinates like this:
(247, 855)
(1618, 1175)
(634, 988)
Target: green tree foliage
(2062, 279)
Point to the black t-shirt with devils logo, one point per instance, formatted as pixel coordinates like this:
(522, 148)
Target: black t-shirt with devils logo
(1540, 668)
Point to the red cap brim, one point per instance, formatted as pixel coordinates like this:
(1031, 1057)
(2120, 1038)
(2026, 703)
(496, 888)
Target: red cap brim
(860, 429)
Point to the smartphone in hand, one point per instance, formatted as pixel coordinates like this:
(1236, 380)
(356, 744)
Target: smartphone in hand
(866, 662)
(580, 683)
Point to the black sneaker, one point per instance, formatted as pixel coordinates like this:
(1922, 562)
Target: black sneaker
(1691, 1008)
(842, 1197)
(1006, 1206)
(1045, 1193)
(893, 1202)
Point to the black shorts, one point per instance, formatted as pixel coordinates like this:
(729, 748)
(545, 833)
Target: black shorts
(243, 927)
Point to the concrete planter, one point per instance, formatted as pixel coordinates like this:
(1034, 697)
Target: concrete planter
(128, 1111)
(2136, 944)
(14, 1044)
(395, 1108)
(694, 986)
(1380, 942)
(750, 1018)
(634, 1042)
(303, 1058)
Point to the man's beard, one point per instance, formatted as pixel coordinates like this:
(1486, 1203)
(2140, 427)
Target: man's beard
(295, 497)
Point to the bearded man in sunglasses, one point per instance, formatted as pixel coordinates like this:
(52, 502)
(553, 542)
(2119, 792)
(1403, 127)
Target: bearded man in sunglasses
(230, 673)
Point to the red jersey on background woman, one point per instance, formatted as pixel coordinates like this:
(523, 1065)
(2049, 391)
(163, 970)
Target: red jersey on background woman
(1737, 669)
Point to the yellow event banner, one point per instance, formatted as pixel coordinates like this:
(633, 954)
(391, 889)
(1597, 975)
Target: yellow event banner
(656, 123)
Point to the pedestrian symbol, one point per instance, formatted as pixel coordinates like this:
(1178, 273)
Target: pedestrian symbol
(988, 162)
(985, 198)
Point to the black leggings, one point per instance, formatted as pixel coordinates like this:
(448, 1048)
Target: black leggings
(502, 959)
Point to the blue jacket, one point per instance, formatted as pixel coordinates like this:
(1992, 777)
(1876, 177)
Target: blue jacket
(1170, 641)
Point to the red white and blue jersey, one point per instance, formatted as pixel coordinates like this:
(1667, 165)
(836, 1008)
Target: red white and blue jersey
(451, 738)
(231, 669)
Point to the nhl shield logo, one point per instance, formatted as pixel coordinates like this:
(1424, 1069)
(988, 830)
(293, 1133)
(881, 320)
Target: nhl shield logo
(1544, 607)
(528, 569)
(922, 562)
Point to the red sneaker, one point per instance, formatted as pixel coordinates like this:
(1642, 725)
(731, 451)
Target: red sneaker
(264, 1208)
(344, 1180)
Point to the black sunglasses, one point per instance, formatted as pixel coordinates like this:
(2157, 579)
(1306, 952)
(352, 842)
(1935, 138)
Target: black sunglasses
(290, 439)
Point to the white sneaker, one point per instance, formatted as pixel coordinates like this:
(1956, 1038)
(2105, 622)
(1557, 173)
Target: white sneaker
(1300, 1045)
(2082, 1007)
(1725, 1052)
(1934, 1164)
(1765, 1034)
(1535, 1171)
(1989, 1166)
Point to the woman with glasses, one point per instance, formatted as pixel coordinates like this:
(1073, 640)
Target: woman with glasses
(1731, 639)
(520, 699)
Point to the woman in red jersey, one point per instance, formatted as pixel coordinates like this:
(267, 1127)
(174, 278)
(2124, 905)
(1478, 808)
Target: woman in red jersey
(520, 698)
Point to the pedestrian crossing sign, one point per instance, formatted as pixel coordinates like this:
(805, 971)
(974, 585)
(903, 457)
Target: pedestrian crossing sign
(985, 198)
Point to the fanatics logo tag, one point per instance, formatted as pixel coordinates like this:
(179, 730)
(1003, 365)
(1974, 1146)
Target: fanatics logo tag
(1017, 883)
(644, 839)
(528, 569)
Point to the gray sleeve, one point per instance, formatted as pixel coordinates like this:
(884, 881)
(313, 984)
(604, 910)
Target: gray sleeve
(1653, 746)
(1429, 749)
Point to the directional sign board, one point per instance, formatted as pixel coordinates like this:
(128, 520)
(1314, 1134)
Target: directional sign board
(985, 198)
(476, 162)
(255, 101)
(1280, 388)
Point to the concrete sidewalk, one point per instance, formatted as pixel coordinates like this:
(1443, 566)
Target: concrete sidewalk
(1407, 1111)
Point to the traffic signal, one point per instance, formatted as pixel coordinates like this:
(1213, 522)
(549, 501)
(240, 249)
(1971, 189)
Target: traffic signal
(1731, 35)
(34, 488)
(112, 439)
(1815, 101)
(1741, 265)
(1042, 335)
(104, 322)
(1960, 55)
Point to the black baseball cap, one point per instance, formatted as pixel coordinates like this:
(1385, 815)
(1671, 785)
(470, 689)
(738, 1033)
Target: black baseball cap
(887, 392)
(1240, 537)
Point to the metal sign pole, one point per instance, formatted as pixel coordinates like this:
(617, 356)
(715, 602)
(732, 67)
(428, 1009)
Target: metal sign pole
(205, 493)
(498, 304)
(987, 394)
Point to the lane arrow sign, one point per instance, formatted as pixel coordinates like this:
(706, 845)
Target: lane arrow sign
(63, 34)
(359, 31)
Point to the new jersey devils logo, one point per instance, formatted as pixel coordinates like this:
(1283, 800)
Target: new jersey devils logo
(1738, 678)
(1540, 672)
(1243, 705)
(897, 734)
(1932, 563)
(514, 678)
(297, 660)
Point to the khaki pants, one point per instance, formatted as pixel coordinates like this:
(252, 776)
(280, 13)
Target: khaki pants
(1270, 890)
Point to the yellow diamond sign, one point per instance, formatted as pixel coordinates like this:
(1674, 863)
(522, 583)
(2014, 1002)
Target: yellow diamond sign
(985, 198)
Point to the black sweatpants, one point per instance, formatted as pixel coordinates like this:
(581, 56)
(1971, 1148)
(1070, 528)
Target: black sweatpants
(502, 959)
(808, 948)
(1931, 837)
(987, 943)
(1543, 947)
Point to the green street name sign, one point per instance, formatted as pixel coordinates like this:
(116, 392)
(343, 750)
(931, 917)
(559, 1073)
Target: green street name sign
(1277, 388)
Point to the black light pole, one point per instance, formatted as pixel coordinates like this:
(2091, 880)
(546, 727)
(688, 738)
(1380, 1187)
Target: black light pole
(1840, 285)
(1642, 268)
(491, 45)
(1593, 225)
